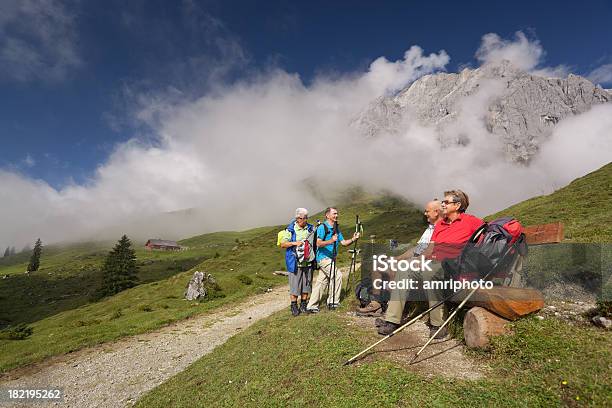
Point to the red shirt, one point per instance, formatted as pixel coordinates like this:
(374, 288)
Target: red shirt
(450, 237)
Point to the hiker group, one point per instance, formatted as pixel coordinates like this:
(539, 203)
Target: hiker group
(308, 248)
(452, 244)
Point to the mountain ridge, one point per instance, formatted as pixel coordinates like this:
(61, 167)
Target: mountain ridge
(521, 109)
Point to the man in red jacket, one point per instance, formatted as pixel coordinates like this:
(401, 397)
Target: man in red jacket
(448, 239)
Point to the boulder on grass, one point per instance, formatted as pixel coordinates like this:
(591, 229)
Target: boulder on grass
(602, 322)
(197, 288)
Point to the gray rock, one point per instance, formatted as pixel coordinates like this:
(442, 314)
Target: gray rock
(602, 322)
(521, 112)
(197, 286)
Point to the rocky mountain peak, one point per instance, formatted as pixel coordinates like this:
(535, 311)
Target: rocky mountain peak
(521, 110)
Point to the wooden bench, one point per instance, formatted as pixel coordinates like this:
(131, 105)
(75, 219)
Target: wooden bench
(544, 234)
(493, 308)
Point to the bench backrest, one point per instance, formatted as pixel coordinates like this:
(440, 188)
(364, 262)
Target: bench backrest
(544, 233)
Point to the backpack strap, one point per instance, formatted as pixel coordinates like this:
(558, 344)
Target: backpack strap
(326, 229)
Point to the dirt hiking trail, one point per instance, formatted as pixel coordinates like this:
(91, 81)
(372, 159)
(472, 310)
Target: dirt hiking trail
(117, 374)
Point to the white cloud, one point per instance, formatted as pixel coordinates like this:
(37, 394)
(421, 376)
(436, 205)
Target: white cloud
(560, 71)
(601, 75)
(522, 52)
(229, 152)
(244, 154)
(37, 40)
(385, 76)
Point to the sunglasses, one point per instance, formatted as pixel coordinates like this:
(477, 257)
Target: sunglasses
(301, 218)
(446, 202)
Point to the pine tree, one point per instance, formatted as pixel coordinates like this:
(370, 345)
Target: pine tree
(35, 258)
(119, 270)
(13, 252)
(7, 252)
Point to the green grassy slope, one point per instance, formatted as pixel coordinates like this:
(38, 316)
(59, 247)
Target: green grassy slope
(69, 275)
(284, 361)
(584, 206)
(252, 253)
(58, 309)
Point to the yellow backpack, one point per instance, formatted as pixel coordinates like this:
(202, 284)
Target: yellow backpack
(281, 235)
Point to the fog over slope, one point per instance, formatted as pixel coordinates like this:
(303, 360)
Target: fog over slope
(244, 155)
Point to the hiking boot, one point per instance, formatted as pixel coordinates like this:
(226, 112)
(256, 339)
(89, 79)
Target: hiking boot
(312, 310)
(294, 309)
(371, 308)
(380, 321)
(333, 306)
(387, 328)
(443, 333)
(303, 308)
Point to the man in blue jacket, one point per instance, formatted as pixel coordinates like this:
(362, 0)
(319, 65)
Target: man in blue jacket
(300, 273)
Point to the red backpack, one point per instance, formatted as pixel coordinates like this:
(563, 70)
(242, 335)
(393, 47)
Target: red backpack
(493, 247)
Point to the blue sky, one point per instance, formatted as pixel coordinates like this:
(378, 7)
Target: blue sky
(73, 76)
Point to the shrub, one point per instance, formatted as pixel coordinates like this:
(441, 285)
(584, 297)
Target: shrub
(244, 279)
(604, 308)
(18, 332)
(116, 314)
(81, 323)
(145, 308)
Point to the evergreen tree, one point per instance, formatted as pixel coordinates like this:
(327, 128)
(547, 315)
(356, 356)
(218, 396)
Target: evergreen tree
(13, 252)
(7, 252)
(119, 270)
(35, 258)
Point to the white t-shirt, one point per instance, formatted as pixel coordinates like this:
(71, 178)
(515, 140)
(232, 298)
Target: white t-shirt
(424, 240)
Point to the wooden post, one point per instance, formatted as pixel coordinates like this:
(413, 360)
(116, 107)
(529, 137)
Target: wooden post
(510, 303)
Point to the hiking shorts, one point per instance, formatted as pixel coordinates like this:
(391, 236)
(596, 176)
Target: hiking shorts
(300, 281)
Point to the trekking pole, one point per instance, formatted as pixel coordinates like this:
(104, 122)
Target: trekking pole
(358, 228)
(332, 271)
(460, 305)
(399, 329)
(314, 265)
(445, 323)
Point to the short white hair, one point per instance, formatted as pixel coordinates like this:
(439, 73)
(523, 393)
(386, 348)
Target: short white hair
(301, 212)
